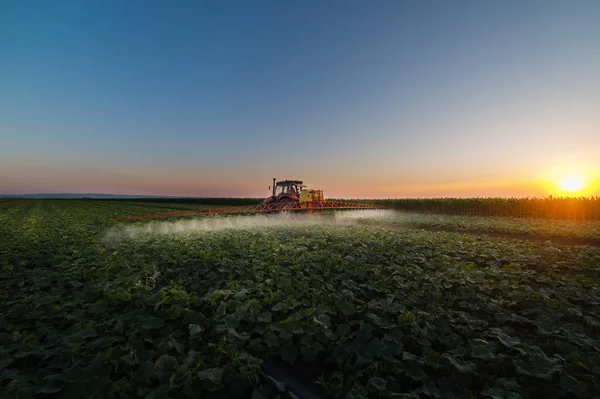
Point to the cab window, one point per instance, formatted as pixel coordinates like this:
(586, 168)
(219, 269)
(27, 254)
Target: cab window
(282, 190)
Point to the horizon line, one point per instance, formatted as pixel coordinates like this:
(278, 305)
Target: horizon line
(5, 196)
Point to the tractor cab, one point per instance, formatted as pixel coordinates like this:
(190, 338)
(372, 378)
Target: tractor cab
(285, 191)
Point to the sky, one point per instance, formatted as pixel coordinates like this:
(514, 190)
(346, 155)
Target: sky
(363, 99)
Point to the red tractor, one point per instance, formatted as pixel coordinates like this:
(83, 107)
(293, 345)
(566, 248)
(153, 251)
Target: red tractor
(288, 196)
(285, 191)
(292, 195)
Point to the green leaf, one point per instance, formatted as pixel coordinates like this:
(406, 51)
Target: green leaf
(166, 363)
(265, 317)
(195, 318)
(89, 333)
(376, 347)
(53, 385)
(271, 340)
(343, 330)
(494, 393)
(576, 387)
(538, 366)
(77, 389)
(6, 362)
(96, 385)
(103, 342)
(161, 392)
(258, 393)
(286, 330)
(340, 354)
(284, 282)
(241, 295)
(194, 329)
(61, 361)
(482, 353)
(499, 393)
(378, 383)
(135, 344)
(323, 320)
(74, 374)
(279, 384)
(130, 359)
(98, 366)
(365, 331)
(394, 336)
(466, 367)
(409, 357)
(141, 376)
(357, 392)
(430, 389)
(447, 386)
(212, 374)
(152, 323)
(510, 385)
(335, 384)
(235, 334)
(506, 340)
(346, 307)
(415, 372)
(178, 346)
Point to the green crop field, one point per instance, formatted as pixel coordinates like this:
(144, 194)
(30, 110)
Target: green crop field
(364, 305)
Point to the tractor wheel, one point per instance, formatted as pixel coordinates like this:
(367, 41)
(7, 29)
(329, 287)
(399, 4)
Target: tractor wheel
(264, 209)
(285, 213)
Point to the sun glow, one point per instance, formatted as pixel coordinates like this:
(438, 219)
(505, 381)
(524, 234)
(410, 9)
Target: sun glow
(572, 184)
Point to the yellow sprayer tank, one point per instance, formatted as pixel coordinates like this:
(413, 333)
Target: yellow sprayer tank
(309, 195)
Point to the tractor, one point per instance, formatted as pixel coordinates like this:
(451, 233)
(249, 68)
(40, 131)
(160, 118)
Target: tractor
(293, 192)
(288, 196)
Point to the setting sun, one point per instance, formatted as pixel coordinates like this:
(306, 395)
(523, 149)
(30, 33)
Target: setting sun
(572, 184)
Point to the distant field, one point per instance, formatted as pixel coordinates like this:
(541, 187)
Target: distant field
(344, 305)
(584, 208)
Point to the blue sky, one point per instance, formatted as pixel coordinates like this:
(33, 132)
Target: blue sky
(381, 98)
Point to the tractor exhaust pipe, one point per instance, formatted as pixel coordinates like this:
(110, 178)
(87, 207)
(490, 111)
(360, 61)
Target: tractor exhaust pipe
(274, 187)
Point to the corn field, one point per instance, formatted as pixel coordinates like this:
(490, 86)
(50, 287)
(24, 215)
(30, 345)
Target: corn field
(582, 208)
